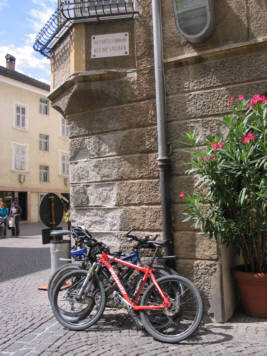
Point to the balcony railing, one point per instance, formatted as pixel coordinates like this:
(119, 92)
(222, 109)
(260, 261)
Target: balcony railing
(71, 11)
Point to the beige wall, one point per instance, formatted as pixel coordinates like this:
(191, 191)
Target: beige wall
(12, 92)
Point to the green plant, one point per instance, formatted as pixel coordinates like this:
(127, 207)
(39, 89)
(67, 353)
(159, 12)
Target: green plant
(230, 192)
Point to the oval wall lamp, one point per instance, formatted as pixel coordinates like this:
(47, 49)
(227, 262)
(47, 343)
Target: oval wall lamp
(195, 19)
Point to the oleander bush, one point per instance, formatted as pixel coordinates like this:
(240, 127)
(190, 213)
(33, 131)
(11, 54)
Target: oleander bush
(230, 192)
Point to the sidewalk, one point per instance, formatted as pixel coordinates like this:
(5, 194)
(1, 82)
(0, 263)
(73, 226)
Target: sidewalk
(28, 326)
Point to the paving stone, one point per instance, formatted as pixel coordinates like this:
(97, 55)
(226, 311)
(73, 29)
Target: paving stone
(29, 328)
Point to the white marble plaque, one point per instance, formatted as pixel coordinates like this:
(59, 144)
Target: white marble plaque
(110, 45)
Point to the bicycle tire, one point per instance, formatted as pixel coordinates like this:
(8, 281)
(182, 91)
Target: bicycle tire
(182, 319)
(69, 315)
(78, 314)
(57, 275)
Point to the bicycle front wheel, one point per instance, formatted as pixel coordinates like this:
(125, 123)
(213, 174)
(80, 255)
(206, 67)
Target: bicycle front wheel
(72, 311)
(57, 275)
(181, 319)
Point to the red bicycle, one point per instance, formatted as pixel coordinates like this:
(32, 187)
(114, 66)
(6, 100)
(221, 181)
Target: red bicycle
(169, 308)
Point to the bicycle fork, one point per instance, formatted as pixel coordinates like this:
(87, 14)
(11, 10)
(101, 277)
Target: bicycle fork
(86, 285)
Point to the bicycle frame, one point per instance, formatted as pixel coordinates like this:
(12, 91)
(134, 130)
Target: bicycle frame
(106, 259)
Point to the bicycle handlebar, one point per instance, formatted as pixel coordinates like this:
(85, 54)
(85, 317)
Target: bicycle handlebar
(141, 240)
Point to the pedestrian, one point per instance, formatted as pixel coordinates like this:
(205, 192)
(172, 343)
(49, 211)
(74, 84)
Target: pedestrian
(3, 218)
(67, 218)
(15, 212)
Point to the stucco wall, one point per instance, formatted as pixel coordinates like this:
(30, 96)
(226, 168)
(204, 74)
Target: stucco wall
(15, 92)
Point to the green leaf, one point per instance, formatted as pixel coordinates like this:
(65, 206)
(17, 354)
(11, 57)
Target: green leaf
(242, 195)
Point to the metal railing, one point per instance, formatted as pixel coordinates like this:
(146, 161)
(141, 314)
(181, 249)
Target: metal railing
(71, 11)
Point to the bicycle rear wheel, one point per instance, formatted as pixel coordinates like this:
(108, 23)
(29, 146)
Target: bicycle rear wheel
(178, 322)
(78, 313)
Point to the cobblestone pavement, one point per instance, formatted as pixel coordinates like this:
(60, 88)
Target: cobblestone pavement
(28, 327)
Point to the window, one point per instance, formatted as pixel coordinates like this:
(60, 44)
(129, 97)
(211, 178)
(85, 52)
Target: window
(20, 117)
(195, 19)
(64, 128)
(44, 106)
(44, 143)
(19, 157)
(44, 174)
(64, 164)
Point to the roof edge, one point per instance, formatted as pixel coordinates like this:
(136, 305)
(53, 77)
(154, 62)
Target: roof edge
(13, 74)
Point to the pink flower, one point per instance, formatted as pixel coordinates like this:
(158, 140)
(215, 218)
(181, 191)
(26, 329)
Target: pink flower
(257, 99)
(204, 159)
(182, 195)
(249, 137)
(230, 101)
(240, 97)
(214, 146)
(245, 139)
(212, 158)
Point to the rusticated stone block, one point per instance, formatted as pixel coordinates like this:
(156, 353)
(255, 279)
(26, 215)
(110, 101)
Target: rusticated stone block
(79, 196)
(179, 162)
(209, 103)
(142, 218)
(257, 15)
(180, 184)
(144, 35)
(185, 184)
(95, 195)
(193, 269)
(205, 275)
(115, 143)
(115, 168)
(216, 73)
(97, 220)
(144, 192)
(102, 219)
(178, 217)
(134, 115)
(195, 246)
(117, 194)
(204, 127)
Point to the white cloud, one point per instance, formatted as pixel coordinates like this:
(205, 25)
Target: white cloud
(27, 60)
(41, 13)
(3, 3)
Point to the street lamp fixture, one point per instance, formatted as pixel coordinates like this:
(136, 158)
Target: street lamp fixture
(195, 19)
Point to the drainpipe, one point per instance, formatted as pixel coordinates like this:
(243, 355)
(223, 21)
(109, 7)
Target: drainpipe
(163, 159)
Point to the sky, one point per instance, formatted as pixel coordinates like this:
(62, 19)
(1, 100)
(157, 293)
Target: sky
(20, 22)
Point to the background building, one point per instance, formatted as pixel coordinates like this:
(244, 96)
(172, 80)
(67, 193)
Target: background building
(34, 157)
(103, 68)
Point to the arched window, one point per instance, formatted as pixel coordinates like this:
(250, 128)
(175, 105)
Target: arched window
(195, 19)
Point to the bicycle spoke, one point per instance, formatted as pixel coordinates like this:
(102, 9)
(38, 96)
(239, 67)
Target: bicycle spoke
(181, 319)
(72, 310)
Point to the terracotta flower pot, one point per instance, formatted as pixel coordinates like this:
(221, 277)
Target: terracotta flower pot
(253, 292)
